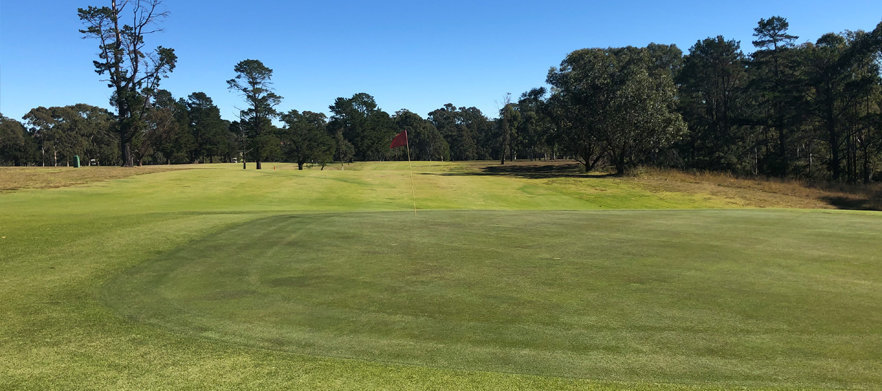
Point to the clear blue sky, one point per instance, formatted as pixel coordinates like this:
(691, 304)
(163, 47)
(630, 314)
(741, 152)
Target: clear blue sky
(417, 55)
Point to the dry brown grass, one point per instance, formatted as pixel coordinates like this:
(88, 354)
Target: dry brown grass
(764, 193)
(737, 191)
(17, 178)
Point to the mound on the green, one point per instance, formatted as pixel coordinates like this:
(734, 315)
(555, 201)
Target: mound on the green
(225, 279)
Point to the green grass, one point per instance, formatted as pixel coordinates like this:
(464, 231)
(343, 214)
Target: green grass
(221, 279)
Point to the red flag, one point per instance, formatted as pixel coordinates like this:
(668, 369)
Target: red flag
(400, 140)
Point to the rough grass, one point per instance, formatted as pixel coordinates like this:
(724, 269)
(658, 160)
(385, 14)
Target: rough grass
(16, 178)
(766, 192)
(62, 249)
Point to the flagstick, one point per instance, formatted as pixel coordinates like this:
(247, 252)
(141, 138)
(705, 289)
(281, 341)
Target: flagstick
(410, 165)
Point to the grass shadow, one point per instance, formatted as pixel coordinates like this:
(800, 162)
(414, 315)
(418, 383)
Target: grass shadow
(530, 171)
(853, 203)
(852, 196)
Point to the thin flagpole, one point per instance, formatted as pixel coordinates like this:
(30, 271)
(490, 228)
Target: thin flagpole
(410, 165)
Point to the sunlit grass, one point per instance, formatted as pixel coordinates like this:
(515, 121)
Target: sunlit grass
(682, 299)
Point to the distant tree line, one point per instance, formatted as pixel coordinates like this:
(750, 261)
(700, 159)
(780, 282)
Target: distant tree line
(810, 110)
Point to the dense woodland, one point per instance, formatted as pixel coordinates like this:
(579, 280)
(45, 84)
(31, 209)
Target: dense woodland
(789, 109)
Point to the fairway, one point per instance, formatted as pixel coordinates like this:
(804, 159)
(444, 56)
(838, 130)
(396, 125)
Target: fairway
(215, 278)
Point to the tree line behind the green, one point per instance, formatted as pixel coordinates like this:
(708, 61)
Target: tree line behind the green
(809, 110)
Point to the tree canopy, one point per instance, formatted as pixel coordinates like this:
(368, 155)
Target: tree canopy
(254, 82)
(132, 71)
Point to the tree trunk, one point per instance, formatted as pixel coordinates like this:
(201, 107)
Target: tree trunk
(833, 138)
(128, 159)
(620, 166)
(851, 159)
(300, 166)
(865, 171)
(784, 161)
(122, 108)
(502, 159)
(506, 138)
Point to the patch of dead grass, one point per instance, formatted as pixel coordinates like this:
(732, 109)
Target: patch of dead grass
(18, 178)
(763, 193)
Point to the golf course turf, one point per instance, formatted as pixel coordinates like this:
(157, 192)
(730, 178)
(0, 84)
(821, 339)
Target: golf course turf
(222, 279)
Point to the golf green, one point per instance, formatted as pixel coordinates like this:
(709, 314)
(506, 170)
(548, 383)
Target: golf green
(746, 297)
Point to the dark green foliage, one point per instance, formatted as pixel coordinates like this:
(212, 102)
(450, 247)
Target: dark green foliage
(814, 104)
(862, 101)
(164, 138)
(184, 131)
(208, 129)
(362, 124)
(712, 83)
(133, 71)
(617, 104)
(828, 85)
(579, 100)
(345, 151)
(467, 131)
(536, 133)
(267, 146)
(426, 143)
(778, 92)
(254, 82)
(810, 110)
(772, 34)
(15, 143)
(60, 133)
(304, 138)
(183, 140)
(507, 125)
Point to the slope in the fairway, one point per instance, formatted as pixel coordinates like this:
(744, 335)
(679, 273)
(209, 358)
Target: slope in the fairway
(744, 298)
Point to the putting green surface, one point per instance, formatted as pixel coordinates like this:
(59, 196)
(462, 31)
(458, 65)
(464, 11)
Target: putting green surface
(523, 278)
(757, 298)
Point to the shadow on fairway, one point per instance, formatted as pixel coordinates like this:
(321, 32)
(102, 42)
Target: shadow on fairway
(530, 171)
(849, 203)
